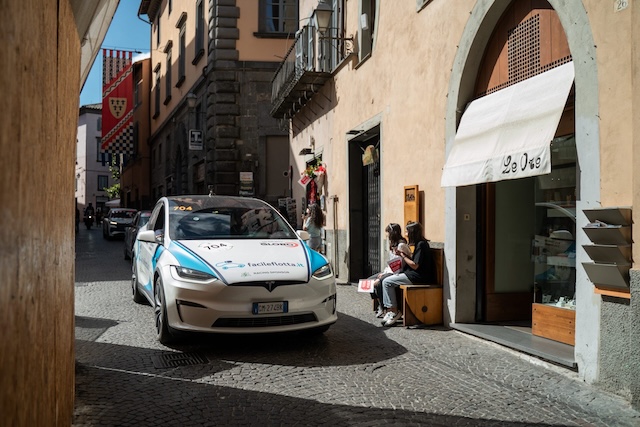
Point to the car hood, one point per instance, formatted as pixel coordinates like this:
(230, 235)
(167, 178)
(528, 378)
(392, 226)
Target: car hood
(237, 261)
(121, 220)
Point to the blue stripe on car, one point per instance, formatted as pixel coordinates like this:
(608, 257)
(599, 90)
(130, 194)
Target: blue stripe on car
(187, 258)
(315, 259)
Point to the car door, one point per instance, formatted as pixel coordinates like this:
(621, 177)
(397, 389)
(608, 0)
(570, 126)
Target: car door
(145, 256)
(131, 231)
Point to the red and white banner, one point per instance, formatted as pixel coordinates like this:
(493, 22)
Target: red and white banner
(117, 102)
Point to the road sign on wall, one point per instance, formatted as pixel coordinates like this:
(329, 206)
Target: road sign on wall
(195, 140)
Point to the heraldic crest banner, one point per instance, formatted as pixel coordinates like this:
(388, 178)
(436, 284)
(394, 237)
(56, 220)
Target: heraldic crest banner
(117, 102)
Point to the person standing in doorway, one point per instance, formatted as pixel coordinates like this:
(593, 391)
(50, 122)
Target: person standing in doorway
(313, 225)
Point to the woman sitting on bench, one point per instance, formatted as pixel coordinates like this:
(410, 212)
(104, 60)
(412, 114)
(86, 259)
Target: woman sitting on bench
(420, 268)
(396, 243)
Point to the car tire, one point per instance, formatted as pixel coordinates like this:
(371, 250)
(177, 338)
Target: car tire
(137, 296)
(163, 331)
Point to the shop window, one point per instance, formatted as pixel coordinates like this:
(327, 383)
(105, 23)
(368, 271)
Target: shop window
(554, 245)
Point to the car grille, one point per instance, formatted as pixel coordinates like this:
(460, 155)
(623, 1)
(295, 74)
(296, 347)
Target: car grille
(256, 322)
(268, 285)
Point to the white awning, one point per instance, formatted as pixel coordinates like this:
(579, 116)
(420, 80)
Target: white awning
(507, 134)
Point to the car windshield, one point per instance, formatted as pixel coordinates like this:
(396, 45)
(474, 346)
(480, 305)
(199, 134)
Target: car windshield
(237, 219)
(123, 214)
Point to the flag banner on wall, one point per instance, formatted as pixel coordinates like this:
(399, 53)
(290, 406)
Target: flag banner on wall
(117, 102)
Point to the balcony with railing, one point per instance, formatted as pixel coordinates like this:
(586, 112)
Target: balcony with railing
(305, 69)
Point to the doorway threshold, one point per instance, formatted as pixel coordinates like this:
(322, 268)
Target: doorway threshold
(521, 339)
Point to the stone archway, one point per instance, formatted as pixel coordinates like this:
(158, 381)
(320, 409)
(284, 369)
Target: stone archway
(460, 252)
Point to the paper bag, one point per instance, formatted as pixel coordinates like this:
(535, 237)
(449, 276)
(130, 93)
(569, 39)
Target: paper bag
(395, 264)
(365, 285)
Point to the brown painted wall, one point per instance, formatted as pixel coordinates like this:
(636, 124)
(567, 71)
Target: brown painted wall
(39, 80)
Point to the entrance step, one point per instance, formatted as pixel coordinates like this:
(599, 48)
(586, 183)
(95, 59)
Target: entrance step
(521, 339)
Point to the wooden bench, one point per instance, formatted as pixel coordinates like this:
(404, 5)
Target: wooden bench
(422, 303)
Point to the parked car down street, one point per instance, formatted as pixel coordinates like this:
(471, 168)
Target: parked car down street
(227, 264)
(116, 222)
(130, 233)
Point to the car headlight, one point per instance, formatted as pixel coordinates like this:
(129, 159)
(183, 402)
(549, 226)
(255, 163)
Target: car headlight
(113, 223)
(323, 272)
(191, 275)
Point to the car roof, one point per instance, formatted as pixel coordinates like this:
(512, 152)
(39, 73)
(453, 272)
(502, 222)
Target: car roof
(206, 201)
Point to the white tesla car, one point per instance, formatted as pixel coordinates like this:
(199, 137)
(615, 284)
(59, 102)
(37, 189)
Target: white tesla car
(229, 265)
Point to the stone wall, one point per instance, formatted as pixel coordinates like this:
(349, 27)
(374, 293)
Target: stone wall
(620, 349)
(40, 82)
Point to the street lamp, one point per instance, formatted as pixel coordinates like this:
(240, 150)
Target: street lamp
(321, 16)
(191, 100)
(321, 19)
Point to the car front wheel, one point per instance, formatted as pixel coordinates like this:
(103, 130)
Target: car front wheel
(163, 331)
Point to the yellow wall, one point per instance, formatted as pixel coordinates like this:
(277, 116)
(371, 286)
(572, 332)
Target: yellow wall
(614, 62)
(169, 32)
(404, 82)
(40, 82)
(251, 48)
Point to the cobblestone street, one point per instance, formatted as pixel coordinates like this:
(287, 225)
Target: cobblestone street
(357, 373)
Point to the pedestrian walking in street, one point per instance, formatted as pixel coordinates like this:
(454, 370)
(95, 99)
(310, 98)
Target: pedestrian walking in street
(419, 268)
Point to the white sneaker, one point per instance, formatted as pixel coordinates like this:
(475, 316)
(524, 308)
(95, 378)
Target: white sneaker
(393, 319)
(387, 316)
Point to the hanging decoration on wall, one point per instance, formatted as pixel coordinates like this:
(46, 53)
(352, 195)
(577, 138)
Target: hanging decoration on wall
(370, 155)
(313, 178)
(117, 102)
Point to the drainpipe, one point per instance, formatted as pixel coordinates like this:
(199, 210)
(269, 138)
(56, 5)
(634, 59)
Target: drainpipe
(335, 235)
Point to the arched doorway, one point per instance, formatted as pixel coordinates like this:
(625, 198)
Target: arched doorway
(469, 254)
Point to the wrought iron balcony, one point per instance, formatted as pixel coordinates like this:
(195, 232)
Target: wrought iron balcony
(305, 69)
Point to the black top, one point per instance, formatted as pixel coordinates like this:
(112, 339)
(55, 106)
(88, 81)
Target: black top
(426, 272)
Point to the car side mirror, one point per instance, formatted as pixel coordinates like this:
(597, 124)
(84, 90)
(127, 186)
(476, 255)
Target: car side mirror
(151, 236)
(304, 235)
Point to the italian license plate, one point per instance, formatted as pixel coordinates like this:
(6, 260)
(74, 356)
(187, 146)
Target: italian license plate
(270, 307)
